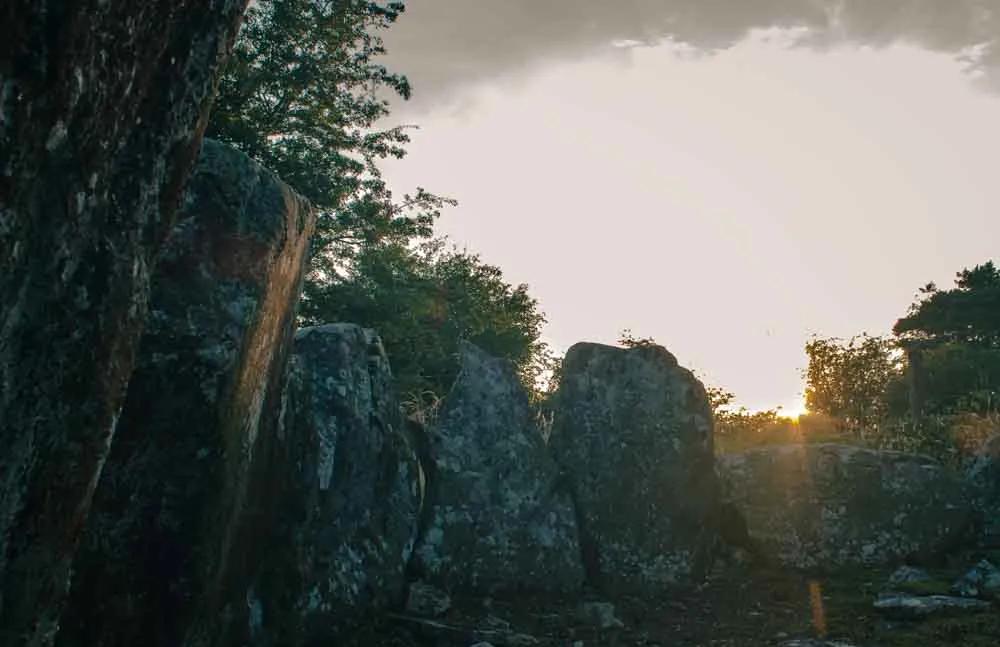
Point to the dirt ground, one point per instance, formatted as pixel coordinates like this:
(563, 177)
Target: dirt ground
(743, 607)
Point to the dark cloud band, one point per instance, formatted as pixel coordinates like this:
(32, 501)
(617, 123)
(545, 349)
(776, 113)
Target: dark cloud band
(443, 45)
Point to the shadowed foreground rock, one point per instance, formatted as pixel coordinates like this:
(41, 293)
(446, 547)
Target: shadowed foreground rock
(836, 505)
(496, 518)
(102, 107)
(983, 476)
(346, 517)
(633, 431)
(163, 550)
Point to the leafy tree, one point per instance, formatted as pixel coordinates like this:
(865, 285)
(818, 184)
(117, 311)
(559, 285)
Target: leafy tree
(967, 314)
(302, 94)
(849, 380)
(955, 335)
(719, 399)
(424, 301)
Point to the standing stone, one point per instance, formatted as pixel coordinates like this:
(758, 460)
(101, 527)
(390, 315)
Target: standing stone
(161, 552)
(982, 474)
(350, 491)
(633, 432)
(102, 108)
(833, 505)
(496, 518)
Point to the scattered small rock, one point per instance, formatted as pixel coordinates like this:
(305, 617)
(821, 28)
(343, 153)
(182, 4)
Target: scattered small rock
(493, 623)
(600, 614)
(908, 575)
(426, 600)
(904, 605)
(983, 581)
(812, 642)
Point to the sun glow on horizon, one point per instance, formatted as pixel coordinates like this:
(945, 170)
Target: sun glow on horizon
(793, 412)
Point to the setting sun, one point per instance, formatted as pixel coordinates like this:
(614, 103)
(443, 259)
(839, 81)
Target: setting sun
(793, 412)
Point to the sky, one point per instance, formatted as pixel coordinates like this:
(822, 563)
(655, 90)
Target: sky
(728, 177)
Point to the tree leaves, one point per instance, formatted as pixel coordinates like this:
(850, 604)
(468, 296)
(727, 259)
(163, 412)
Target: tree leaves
(849, 380)
(303, 94)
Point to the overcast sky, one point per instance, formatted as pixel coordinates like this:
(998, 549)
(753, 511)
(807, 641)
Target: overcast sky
(725, 188)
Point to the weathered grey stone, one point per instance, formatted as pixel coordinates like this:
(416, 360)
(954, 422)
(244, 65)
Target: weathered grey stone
(907, 606)
(422, 599)
(599, 614)
(166, 548)
(981, 581)
(496, 518)
(633, 432)
(102, 107)
(908, 575)
(983, 477)
(350, 497)
(830, 505)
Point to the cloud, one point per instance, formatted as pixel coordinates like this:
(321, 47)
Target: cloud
(445, 45)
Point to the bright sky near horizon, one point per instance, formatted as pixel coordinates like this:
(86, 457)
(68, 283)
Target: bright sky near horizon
(727, 205)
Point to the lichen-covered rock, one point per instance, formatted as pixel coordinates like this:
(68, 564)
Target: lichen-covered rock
(496, 518)
(422, 599)
(983, 477)
(908, 575)
(350, 497)
(981, 581)
(102, 107)
(599, 614)
(830, 505)
(162, 551)
(910, 607)
(633, 432)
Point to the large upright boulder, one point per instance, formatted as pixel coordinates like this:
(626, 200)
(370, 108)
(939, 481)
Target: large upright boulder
(982, 474)
(830, 505)
(350, 495)
(633, 432)
(162, 550)
(102, 107)
(496, 518)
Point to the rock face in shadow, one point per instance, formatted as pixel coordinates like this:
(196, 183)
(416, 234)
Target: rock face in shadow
(163, 551)
(983, 477)
(496, 518)
(633, 432)
(102, 107)
(350, 493)
(835, 505)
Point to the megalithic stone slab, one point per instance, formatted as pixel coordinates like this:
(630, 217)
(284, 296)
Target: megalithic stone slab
(102, 109)
(162, 552)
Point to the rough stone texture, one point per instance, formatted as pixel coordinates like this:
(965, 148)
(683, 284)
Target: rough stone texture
(422, 599)
(160, 554)
(983, 476)
(102, 107)
(496, 518)
(829, 505)
(981, 581)
(633, 432)
(909, 607)
(350, 491)
(908, 575)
